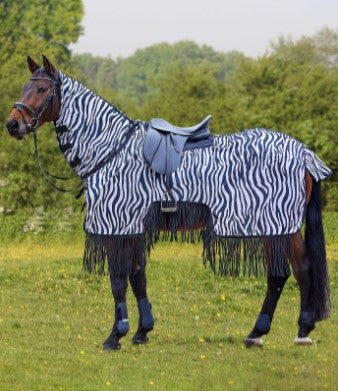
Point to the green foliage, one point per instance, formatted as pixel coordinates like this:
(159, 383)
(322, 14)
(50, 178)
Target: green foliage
(135, 76)
(31, 27)
(96, 72)
(292, 88)
(141, 73)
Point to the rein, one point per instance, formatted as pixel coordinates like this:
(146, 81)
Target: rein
(33, 126)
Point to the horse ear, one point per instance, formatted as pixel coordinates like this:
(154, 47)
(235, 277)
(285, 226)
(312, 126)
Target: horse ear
(32, 65)
(49, 67)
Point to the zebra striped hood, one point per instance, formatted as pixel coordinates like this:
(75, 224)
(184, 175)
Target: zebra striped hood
(88, 128)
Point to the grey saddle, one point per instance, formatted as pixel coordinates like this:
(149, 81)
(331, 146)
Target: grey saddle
(164, 143)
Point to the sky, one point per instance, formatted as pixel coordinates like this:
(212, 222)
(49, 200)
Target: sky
(117, 28)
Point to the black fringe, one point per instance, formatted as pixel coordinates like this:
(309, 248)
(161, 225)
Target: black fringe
(125, 254)
(191, 223)
(247, 256)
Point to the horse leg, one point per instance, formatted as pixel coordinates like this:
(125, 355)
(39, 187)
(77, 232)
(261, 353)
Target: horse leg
(119, 286)
(138, 283)
(275, 285)
(302, 271)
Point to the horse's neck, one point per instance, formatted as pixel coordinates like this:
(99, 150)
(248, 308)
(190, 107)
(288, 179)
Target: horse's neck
(88, 118)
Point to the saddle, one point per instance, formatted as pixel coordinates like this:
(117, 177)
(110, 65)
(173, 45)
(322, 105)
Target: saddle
(165, 143)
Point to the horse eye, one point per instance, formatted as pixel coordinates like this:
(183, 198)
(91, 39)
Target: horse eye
(42, 89)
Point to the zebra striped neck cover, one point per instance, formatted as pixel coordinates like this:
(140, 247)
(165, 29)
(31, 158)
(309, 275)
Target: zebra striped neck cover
(247, 186)
(89, 128)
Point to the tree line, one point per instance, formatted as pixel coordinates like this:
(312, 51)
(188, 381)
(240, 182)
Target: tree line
(293, 88)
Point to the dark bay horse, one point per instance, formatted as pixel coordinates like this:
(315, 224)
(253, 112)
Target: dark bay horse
(81, 119)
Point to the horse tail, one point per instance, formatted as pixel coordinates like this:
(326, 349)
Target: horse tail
(315, 244)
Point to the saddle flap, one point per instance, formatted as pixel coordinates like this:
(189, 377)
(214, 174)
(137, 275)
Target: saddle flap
(162, 152)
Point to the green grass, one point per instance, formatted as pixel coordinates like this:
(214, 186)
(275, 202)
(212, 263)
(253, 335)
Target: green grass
(54, 318)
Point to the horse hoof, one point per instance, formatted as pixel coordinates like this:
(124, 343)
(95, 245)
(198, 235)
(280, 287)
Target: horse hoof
(250, 342)
(303, 341)
(140, 339)
(111, 346)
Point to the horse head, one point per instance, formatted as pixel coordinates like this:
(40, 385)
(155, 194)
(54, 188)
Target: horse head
(40, 101)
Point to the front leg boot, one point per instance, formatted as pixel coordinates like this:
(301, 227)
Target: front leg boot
(146, 323)
(120, 328)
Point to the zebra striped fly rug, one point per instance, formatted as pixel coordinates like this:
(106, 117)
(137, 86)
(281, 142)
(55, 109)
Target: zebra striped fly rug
(245, 187)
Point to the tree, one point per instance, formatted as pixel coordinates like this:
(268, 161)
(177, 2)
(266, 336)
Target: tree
(294, 88)
(140, 73)
(33, 27)
(30, 27)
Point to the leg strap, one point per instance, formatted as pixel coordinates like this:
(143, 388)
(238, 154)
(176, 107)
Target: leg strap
(147, 320)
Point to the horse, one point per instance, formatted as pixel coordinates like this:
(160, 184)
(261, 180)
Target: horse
(245, 194)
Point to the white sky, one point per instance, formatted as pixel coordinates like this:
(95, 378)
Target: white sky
(118, 28)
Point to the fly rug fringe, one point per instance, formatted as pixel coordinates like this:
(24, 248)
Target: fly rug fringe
(191, 223)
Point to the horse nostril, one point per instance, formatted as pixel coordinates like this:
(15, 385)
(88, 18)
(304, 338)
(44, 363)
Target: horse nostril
(13, 126)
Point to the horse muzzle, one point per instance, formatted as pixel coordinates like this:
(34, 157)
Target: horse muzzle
(16, 129)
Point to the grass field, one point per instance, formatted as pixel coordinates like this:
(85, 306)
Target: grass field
(54, 318)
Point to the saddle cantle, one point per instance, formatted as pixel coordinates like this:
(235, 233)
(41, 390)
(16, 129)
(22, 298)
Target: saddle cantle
(165, 143)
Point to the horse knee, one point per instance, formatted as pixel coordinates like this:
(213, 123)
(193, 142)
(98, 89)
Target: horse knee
(138, 283)
(119, 287)
(276, 283)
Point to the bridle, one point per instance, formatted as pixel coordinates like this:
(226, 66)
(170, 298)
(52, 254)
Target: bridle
(36, 115)
(33, 126)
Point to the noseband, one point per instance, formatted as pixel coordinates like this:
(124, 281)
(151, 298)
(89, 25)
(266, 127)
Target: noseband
(36, 115)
